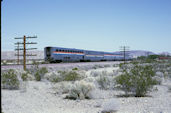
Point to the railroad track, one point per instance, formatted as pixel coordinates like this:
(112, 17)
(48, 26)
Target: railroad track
(61, 65)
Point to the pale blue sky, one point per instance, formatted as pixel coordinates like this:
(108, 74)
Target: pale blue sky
(102, 25)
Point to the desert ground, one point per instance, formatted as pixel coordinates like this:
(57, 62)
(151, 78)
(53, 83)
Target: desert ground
(45, 96)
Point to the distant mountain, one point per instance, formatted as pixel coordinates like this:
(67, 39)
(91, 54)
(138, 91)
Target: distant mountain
(137, 53)
(11, 55)
(165, 53)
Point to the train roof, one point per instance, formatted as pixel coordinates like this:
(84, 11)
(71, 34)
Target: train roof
(83, 50)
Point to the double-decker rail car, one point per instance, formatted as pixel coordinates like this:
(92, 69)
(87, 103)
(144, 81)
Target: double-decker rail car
(59, 54)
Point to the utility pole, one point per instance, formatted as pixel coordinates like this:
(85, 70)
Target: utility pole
(24, 48)
(18, 52)
(124, 51)
(24, 52)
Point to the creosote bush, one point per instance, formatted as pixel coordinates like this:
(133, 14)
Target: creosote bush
(10, 80)
(138, 80)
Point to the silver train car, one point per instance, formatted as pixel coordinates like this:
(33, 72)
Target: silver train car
(59, 54)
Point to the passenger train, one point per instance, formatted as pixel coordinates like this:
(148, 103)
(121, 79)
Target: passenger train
(59, 54)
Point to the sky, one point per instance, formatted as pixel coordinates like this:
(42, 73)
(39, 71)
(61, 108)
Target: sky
(101, 25)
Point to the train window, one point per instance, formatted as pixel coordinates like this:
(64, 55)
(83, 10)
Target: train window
(57, 50)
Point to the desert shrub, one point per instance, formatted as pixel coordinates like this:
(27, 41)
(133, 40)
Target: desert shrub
(37, 76)
(52, 76)
(43, 70)
(169, 88)
(34, 68)
(138, 80)
(24, 76)
(115, 72)
(38, 72)
(97, 66)
(62, 87)
(56, 79)
(4, 62)
(124, 67)
(106, 65)
(75, 68)
(115, 65)
(111, 106)
(105, 81)
(71, 76)
(64, 76)
(80, 90)
(94, 73)
(10, 80)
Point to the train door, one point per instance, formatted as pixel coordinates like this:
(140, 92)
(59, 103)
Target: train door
(48, 53)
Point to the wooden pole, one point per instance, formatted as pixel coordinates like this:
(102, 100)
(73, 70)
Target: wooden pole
(124, 54)
(18, 60)
(24, 53)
